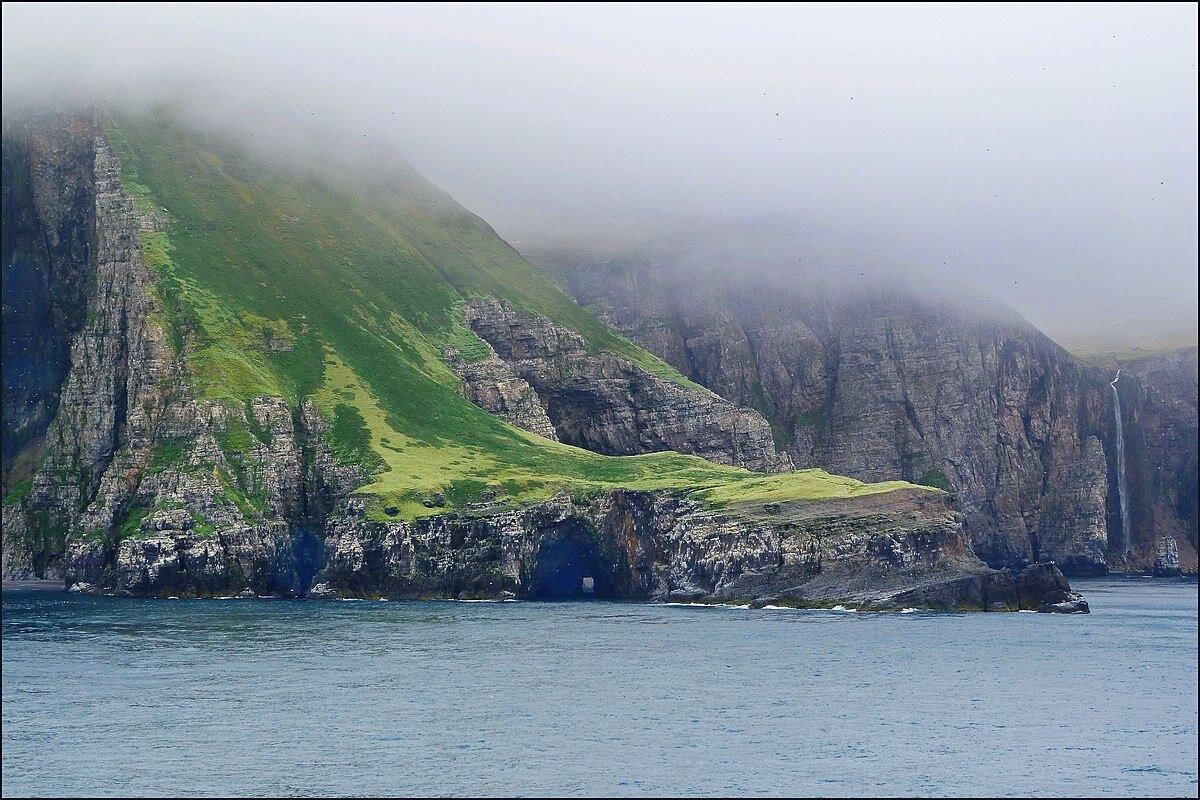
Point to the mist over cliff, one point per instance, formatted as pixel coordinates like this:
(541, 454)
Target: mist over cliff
(1046, 155)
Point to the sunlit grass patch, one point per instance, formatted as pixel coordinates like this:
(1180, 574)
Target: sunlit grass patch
(805, 484)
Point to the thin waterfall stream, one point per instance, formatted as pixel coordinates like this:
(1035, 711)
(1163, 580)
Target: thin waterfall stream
(1121, 467)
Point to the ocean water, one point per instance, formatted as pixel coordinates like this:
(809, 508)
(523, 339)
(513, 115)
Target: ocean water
(107, 696)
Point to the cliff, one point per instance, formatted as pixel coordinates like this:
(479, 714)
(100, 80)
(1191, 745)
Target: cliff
(261, 383)
(1162, 456)
(882, 383)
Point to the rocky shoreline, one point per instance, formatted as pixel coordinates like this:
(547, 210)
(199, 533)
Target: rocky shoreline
(881, 552)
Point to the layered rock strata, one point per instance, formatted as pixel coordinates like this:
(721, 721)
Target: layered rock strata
(1161, 452)
(494, 386)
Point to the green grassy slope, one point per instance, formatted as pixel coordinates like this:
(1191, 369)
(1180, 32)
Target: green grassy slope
(284, 283)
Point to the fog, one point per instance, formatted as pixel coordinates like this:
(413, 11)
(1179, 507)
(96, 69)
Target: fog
(1047, 154)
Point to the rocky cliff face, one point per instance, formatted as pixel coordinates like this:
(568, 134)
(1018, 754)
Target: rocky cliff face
(494, 386)
(1161, 438)
(138, 486)
(881, 385)
(49, 219)
(879, 552)
(119, 367)
(883, 552)
(236, 499)
(130, 453)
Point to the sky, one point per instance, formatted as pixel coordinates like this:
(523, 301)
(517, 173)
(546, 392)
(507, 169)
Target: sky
(1046, 153)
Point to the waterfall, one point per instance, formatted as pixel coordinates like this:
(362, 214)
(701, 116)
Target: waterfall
(1121, 466)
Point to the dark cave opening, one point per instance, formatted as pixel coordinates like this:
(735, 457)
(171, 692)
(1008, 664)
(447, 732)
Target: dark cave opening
(308, 552)
(569, 567)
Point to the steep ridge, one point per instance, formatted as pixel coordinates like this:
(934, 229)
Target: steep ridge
(884, 384)
(262, 396)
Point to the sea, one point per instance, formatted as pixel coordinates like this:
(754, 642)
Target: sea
(130, 697)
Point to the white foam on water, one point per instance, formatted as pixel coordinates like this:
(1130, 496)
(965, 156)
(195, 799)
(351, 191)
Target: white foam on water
(909, 610)
(1026, 611)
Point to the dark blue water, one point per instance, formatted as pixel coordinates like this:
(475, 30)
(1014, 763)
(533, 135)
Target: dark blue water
(118, 697)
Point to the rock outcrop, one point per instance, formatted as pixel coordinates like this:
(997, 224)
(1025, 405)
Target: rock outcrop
(49, 219)
(494, 386)
(1166, 557)
(604, 403)
(120, 367)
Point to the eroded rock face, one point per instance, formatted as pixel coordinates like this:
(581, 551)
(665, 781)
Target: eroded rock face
(1042, 587)
(131, 460)
(119, 367)
(606, 404)
(207, 520)
(881, 384)
(1166, 557)
(494, 386)
(122, 368)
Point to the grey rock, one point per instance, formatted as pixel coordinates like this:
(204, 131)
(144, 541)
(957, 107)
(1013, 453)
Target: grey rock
(1166, 562)
(604, 403)
(1161, 433)
(1043, 587)
(494, 386)
(888, 551)
(322, 591)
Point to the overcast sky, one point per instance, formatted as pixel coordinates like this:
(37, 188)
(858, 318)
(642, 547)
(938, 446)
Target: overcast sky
(1047, 152)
